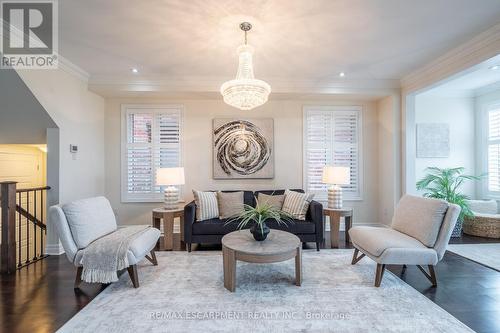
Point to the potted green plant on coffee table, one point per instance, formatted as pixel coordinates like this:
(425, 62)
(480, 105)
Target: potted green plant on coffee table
(446, 184)
(258, 216)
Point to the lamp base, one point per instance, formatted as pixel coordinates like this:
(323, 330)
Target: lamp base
(171, 197)
(335, 197)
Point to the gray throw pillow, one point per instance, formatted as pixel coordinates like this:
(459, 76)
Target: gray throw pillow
(275, 201)
(420, 218)
(230, 204)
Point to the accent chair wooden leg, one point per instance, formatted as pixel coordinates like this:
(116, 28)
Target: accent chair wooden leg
(379, 274)
(355, 257)
(78, 277)
(132, 272)
(152, 259)
(431, 276)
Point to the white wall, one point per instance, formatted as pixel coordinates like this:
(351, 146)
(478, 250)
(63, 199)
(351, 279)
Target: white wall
(79, 115)
(389, 186)
(197, 145)
(458, 112)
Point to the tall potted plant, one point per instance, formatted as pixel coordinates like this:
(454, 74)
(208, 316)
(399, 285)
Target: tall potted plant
(445, 184)
(258, 216)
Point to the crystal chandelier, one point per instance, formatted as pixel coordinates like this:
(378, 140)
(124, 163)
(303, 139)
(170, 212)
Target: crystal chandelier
(245, 92)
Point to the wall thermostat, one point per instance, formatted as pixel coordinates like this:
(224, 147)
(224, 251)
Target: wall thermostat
(73, 149)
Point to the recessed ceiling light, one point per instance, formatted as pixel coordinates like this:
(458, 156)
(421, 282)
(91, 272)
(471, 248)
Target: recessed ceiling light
(135, 70)
(341, 74)
(495, 68)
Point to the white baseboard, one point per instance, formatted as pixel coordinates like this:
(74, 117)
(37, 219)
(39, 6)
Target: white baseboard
(54, 249)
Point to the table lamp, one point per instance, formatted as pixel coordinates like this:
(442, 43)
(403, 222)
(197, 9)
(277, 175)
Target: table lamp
(170, 177)
(336, 176)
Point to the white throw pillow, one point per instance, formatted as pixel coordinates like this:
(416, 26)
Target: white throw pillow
(297, 204)
(420, 218)
(89, 219)
(206, 205)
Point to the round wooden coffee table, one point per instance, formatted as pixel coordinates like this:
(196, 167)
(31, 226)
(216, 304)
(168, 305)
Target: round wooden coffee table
(240, 245)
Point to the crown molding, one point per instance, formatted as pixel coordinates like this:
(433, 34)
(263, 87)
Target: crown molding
(72, 69)
(458, 60)
(110, 86)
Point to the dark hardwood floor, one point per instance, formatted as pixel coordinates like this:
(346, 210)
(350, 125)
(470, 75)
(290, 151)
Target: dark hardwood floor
(40, 297)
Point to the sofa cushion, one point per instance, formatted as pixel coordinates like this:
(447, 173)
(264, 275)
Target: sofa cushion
(214, 226)
(420, 218)
(89, 219)
(230, 204)
(206, 205)
(375, 240)
(297, 227)
(297, 204)
(275, 201)
(483, 206)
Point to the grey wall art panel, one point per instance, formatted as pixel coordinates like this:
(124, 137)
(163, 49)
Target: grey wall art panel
(243, 148)
(433, 140)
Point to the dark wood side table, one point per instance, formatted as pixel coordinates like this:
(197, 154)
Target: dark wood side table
(168, 216)
(335, 215)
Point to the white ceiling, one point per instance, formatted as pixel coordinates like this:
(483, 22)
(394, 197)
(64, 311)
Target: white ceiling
(474, 81)
(295, 40)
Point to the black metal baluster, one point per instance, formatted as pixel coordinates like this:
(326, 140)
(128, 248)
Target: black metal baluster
(34, 226)
(20, 237)
(27, 228)
(43, 220)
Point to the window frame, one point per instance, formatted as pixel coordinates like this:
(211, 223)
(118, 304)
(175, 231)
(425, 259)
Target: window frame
(484, 144)
(335, 108)
(150, 197)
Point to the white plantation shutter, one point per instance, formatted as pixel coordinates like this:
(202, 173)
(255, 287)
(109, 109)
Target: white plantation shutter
(494, 150)
(332, 137)
(151, 139)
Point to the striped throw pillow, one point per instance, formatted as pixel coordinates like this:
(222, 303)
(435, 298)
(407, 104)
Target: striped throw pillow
(297, 204)
(206, 205)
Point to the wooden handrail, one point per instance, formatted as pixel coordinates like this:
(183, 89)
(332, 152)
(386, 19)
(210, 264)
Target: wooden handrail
(30, 217)
(22, 190)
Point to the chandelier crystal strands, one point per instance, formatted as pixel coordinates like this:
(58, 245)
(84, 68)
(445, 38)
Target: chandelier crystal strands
(245, 92)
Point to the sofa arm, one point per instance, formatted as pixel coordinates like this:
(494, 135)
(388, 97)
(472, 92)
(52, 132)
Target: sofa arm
(315, 213)
(189, 219)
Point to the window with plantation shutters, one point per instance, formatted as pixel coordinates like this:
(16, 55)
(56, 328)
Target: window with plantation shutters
(151, 139)
(493, 152)
(332, 136)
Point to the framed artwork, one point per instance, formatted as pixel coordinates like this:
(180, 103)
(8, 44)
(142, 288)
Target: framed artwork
(243, 148)
(433, 140)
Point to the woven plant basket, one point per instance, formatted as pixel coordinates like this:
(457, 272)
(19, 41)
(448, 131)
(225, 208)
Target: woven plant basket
(483, 226)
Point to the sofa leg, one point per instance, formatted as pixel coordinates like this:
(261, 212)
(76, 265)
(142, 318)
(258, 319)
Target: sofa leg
(379, 274)
(78, 277)
(431, 276)
(189, 247)
(355, 257)
(318, 245)
(132, 272)
(152, 259)
(403, 271)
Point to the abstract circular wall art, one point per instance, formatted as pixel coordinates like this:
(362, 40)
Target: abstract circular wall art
(243, 148)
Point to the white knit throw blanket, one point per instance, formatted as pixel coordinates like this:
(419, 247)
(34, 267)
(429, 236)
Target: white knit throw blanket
(105, 256)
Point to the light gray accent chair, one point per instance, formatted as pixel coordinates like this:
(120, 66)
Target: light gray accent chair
(419, 234)
(81, 222)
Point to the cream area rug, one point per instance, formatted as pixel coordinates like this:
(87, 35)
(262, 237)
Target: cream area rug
(185, 293)
(485, 254)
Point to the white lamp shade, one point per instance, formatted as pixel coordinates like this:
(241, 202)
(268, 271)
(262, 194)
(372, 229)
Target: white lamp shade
(336, 175)
(170, 176)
